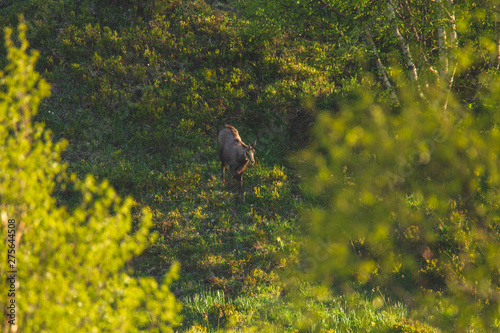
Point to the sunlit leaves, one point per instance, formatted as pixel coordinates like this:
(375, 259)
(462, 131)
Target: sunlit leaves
(414, 196)
(71, 265)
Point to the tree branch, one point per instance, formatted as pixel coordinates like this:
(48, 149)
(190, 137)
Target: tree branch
(405, 49)
(381, 69)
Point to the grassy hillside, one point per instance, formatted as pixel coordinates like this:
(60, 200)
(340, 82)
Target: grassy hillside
(140, 90)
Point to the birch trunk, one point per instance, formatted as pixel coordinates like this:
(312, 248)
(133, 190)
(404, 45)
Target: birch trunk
(381, 69)
(443, 56)
(449, 62)
(497, 26)
(405, 49)
(453, 44)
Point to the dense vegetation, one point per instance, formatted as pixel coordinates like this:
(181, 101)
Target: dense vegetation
(379, 214)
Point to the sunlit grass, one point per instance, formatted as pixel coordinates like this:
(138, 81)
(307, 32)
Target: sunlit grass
(306, 309)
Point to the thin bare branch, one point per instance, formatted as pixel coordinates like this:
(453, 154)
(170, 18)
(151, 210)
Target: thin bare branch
(381, 69)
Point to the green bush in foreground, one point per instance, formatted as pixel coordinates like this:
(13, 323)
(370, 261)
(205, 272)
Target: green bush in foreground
(70, 265)
(409, 202)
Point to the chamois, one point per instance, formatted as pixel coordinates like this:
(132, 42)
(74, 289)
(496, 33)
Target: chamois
(235, 153)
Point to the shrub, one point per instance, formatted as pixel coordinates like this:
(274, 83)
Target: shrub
(409, 202)
(71, 265)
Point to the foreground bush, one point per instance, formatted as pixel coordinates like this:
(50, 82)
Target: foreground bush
(408, 202)
(70, 264)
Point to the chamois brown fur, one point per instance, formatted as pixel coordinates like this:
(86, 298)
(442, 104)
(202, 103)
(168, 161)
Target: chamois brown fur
(236, 154)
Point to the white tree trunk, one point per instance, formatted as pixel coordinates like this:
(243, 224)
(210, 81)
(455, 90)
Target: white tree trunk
(405, 49)
(447, 55)
(443, 53)
(381, 69)
(497, 26)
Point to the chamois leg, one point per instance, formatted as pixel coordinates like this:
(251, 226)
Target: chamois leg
(240, 179)
(222, 167)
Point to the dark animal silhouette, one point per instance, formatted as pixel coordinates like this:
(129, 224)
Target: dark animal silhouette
(236, 154)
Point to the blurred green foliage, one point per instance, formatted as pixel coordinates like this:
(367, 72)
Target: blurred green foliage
(408, 202)
(73, 271)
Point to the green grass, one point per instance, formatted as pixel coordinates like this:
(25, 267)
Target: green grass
(307, 309)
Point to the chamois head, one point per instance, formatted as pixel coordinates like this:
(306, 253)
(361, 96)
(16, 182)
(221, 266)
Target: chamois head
(250, 151)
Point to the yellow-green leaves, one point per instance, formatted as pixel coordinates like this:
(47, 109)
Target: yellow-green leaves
(71, 264)
(414, 198)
